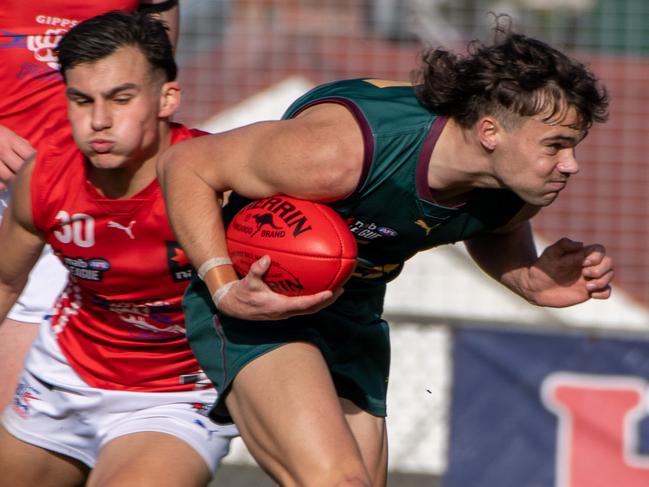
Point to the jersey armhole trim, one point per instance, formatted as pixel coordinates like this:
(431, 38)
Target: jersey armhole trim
(366, 132)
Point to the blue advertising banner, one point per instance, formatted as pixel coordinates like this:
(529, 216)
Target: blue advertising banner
(532, 409)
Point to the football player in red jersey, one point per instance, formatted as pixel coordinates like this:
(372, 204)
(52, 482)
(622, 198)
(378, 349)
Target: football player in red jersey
(110, 388)
(33, 98)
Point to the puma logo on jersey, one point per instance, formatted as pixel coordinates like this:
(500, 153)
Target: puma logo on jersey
(425, 226)
(128, 230)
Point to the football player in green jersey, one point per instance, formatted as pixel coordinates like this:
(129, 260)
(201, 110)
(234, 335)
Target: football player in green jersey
(470, 152)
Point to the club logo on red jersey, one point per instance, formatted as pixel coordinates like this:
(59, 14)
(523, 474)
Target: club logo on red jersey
(178, 262)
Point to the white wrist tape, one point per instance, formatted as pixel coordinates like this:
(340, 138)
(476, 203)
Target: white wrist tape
(210, 264)
(220, 293)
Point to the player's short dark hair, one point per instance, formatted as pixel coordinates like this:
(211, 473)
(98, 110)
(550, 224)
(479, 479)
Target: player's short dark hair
(516, 76)
(100, 36)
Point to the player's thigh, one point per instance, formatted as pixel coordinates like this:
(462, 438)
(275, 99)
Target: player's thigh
(371, 437)
(287, 411)
(149, 459)
(25, 465)
(15, 341)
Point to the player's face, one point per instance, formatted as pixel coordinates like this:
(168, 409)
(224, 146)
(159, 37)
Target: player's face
(115, 106)
(537, 158)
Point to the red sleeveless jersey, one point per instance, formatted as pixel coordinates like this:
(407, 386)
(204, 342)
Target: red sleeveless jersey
(119, 321)
(32, 90)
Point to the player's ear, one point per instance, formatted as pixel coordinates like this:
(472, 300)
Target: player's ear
(169, 99)
(488, 128)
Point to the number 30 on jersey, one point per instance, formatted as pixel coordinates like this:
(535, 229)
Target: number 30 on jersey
(78, 228)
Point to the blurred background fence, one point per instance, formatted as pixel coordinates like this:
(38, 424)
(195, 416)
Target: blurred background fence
(245, 60)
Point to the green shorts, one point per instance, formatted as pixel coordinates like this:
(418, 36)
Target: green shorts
(350, 333)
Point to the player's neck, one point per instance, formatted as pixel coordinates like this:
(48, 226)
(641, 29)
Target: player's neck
(457, 165)
(122, 182)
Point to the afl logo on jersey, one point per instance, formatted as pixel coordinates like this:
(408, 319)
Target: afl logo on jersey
(370, 230)
(387, 231)
(99, 264)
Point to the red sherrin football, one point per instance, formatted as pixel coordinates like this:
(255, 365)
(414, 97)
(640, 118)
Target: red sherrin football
(310, 245)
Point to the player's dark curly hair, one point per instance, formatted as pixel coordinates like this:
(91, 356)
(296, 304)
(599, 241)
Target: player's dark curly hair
(100, 36)
(517, 75)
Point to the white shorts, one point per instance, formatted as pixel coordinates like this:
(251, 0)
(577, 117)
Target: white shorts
(46, 281)
(55, 409)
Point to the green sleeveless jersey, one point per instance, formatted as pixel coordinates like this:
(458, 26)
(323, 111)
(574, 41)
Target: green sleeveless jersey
(392, 212)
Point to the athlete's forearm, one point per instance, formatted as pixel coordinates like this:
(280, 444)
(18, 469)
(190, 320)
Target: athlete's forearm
(194, 210)
(18, 258)
(21, 243)
(8, 297)
(15, 263)
(506, 257)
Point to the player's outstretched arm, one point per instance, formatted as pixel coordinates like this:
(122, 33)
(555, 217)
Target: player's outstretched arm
(21, 244)
(14, 150)
(566, 273)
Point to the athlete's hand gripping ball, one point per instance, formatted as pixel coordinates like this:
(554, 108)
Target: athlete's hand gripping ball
(293, 256)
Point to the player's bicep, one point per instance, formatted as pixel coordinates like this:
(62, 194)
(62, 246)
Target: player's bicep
(220, 160)
(318, 155)
(315, 156)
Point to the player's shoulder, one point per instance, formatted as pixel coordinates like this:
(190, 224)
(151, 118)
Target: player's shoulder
(56, 138)
(57, 145)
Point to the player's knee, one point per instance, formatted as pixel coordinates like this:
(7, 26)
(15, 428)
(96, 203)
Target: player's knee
(340, 475)
(328, 481)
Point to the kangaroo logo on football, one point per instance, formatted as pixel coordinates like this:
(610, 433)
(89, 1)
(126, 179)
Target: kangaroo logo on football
(266, 219)
(286, 211)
